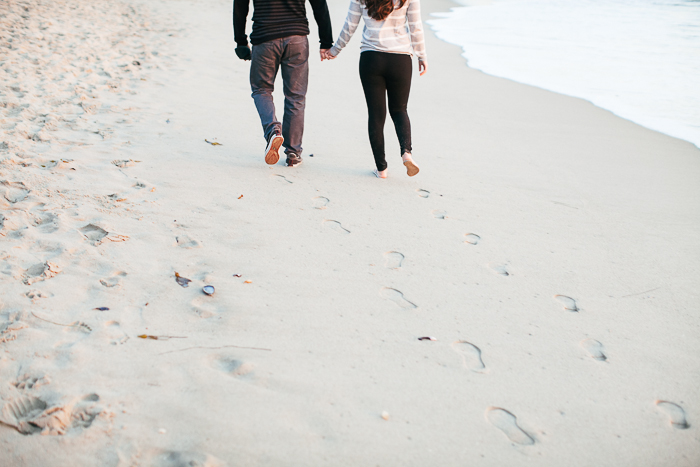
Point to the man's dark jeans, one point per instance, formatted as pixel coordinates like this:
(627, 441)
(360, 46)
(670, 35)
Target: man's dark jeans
(292, 54)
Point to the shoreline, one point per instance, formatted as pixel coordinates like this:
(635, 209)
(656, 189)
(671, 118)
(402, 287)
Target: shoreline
(675, 128)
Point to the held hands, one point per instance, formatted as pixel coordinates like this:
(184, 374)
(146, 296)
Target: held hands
(422, 67)
(326, 54)
(243, 52)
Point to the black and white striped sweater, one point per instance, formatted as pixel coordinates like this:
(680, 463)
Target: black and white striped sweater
(274, 19)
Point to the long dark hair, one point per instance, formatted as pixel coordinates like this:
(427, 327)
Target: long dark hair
(380, 9)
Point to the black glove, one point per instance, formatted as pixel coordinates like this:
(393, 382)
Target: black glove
(243, 52)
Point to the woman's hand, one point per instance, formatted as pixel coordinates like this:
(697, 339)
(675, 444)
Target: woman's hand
(326, 54)
(422, 67)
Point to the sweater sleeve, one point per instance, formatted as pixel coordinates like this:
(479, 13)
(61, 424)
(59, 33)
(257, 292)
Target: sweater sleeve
(351, 22)
(240, 14)
(415, 25)
(323, 19)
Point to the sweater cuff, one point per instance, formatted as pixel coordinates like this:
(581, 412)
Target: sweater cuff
(335, 51)
(326, 45)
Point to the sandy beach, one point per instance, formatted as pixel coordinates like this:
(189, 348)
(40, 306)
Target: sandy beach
(548, 249)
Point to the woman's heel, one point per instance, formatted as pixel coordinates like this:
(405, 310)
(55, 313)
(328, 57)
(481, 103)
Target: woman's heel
(411, 167)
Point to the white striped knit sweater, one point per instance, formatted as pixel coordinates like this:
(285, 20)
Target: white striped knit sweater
(401, 32)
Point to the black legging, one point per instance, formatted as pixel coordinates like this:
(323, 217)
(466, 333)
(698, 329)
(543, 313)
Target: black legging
(385, 74)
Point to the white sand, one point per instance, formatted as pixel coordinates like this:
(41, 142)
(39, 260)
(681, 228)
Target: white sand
(524, 196)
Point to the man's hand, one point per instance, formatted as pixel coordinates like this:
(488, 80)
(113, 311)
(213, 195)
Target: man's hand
(422, 67)
(326, 54)
(243, 52)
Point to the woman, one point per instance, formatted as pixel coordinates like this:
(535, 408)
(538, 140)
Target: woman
(393, 33)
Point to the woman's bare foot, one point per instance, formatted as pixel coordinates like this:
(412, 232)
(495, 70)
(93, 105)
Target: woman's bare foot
(411, 167)
(383, 174)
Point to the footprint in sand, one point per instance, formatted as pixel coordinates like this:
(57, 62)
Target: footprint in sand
(9, 329)
(675, 413)
(31, 382)
(205, 306)
(233, 367)
(93, 233)
(47, 222)
(84, 412)
(115, 280)
(500, 269)
(393, 259)
(282, 178)
(37, 294)
(40, 272)
(115, 334)
(471, 355)
(122, 164)
(15, 191)
(423, 193)
(439, 214)
(396, 297)
(78, 413)
(568, 302)
(594, 348)
(182, 459)
(20, 412)
(185, 241)
(320, 202)
(336, 226)
(472, 239)
(507, 423)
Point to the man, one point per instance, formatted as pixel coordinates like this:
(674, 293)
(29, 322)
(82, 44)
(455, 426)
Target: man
(279, 38)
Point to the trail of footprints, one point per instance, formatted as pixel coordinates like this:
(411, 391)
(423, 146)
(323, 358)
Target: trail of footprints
(28, 414)
(471, 355)
(31, 203)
